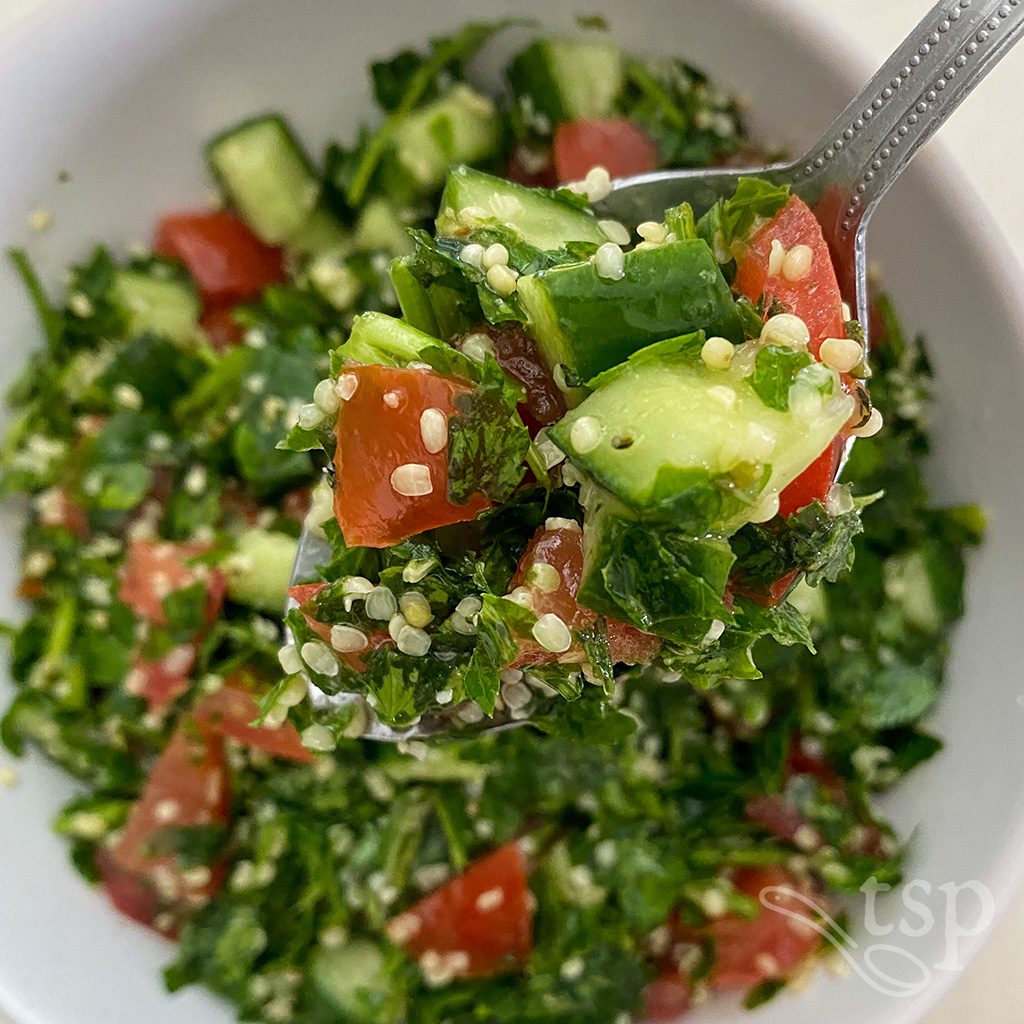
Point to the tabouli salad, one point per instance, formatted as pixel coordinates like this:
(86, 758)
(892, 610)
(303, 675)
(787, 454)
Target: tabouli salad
(527, 523)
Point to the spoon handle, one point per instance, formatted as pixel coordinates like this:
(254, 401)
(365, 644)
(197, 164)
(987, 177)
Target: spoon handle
(849, 170)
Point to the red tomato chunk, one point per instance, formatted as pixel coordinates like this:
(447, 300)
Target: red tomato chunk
(228, 263)
(389, 486)
(477, 925)
(617, 145)
(155, 569)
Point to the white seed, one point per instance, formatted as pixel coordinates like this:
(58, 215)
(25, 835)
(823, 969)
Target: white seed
(717, 353)
(490, 900)
(325, 398)
(516, 695)
(614, 231)
(544, 577)
(806, 838)
(521, 596)
(471, 712)
(166, 811)
(195, 481)
(842, 354)
(573, 968)
(346, 386)
(776, 258)
(847, 312)
(381, 604)
(320, 658)
(558, 523)
(787, 330)
(444, 696)
(472, 255)
(434, 430)
(871, 427)
(318, 738)
(585, 434)
(477, 347)
(552, 633)
(502, 279)
(402, 928)
(127, 397)
(81, 305)
(310, 416)
(348, 639)
(417, 568)
(416, 608)
(275, 717)
(412, 480)
(469, 606)
(395, 625)
(358, 585)
(360, 719)
(494, 256)
(178, 660)
(598, 184)
(609, 262)
(295, 692)
(652, 231)
(411, 640)
(393, 399)
(798, 262)
(462, 625)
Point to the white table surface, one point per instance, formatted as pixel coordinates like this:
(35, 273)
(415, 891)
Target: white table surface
(987, 137)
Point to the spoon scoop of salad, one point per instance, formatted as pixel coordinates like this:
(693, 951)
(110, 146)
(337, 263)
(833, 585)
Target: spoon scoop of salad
(841, 179)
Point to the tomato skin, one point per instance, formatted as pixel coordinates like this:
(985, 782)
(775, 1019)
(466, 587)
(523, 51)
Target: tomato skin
(666, 998)
(450, 921)
(228, 263)
(162, 681)
(375, 438)
(229, 712)
(222, 329)
(563, 550)
(188, 786)
(815, 298)
(153, 569)
(814, 482)
(617, 144)
(525, 167)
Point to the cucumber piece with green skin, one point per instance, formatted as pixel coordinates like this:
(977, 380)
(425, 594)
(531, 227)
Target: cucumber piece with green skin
(591, 323)
(169, 308)
(259, 572)
(460, 127)
(670, 437)
(380, 229)
(379, 338)
(539, 216)
(357, 981)
(569, 79)
(266, 176)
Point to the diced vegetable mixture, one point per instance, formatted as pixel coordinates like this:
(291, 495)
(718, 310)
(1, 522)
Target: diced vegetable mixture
(579, 478)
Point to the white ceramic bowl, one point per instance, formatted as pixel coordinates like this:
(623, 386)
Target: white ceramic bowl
(123, 93)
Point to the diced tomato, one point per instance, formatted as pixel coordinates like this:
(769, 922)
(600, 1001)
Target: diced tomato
(618, 145)
(531, 167)
(227, 261)
(562, 549)
(57, 509)
(31, 589)
(666, 998)
(230, 712)
(303, 594)
(223, 330)
(814, 482)
(772, 944)
(161, 681)
(815, 298)
(187, 787)
(518, 355)
(485, 913)
(378, 434)
(777, 815)
(154, 569)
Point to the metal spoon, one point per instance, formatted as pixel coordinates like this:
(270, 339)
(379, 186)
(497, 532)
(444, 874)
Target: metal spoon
(843, 176)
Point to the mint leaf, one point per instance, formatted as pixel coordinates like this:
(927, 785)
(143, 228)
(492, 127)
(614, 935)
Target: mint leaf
(500, 624)
(774, 370)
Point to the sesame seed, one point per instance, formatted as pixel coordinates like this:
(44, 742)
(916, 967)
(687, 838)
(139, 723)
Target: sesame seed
(412, 480)
(393, 399)
(787, 330)
(348, 638)
(502, 279)
(325, 398)
(346, 386)
(871, 427)
(585, 434)
(295, 692)
(494, 256)
(434, 430)
(598, 184)
(717, 353)
(797, 263)
(544, 577)
(490, 900)
(572, 969)
(521, 596)
(416, 608)
(320, 658)
(318, 738)
(444, 696)
(166, 811)
(776, 258)
(610, 262)
(413, 641)
(614, 231)
(289, 658)
(841, 354)
(310, 416)
(360, 585)
(395, 625)
(127, 397)
(381, 604)
(472, 255)
(652, 231)
(552, 633)
(195, 481)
